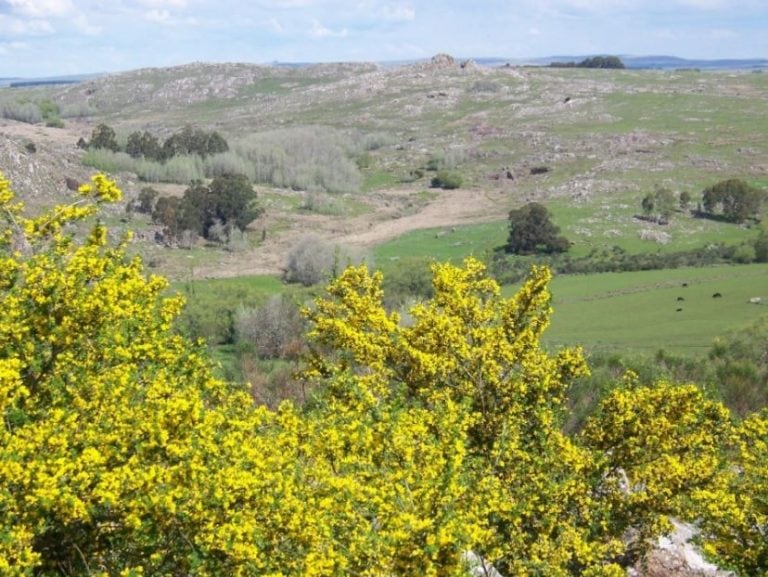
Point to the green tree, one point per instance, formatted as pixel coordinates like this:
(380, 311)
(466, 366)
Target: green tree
(103, 136)
(685, 200)
(665, 203)
(166, 212)
(234, 200)
(146, 200)
(761, 245)
(229, 201)
(191, 140)
(143, 144)
(659, 205)
(648, 204)
(736, 200)
(531, 230)
(215, 144)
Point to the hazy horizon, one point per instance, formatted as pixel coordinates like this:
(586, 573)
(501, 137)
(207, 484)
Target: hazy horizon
(43, 38)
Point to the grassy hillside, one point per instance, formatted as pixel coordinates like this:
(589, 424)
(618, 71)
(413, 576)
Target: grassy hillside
(605, 139)
(646, 311)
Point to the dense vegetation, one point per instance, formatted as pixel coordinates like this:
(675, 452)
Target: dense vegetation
(145, 145)
(310, 158)
(427, 445)
(212, 210)
(592, 62)
(734, 199)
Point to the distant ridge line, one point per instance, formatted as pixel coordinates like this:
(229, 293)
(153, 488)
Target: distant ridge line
(646, 62)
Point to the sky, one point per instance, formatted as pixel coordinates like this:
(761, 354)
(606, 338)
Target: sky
(59, 37)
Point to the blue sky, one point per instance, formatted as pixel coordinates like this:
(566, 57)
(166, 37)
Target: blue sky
(51, 37)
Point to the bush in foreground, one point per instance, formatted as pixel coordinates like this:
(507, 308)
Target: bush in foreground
(121, 454)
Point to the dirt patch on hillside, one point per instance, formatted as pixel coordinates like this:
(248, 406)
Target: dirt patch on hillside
(388, 220)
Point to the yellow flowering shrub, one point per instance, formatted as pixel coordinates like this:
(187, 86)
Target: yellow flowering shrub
(530, 490)
(122, 455)
(655, 448)
(734, 514)
(119, 452)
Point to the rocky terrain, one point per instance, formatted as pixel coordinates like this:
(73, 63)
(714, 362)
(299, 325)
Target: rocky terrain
(589, 138)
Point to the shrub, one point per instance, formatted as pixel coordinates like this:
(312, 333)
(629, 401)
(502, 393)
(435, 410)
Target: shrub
(21, 111)
(275, 329)
(109, 161)
(77, 110)
(314, 260)
(447, 180)
(321, 203)
(228, 163)
(302, 158)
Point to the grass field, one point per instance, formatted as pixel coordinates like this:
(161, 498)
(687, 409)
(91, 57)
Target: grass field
(632, 312)
(215, 293)
(443, 244)
(638, 311)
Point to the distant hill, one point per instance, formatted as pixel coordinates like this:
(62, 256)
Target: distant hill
(5, 82)
(655, 62)
(47, 81)
(667, 62)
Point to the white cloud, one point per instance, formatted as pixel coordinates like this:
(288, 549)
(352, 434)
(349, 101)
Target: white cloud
(161, 4)
(397, 13)
(157, 15)
(275, 25)
(19, 27)
(320, 31)
(533, 31)
(721, 33)
(37, 8)
(280, 4)
(85, 26)
(166, 17)
(703, 4)
(10, 47)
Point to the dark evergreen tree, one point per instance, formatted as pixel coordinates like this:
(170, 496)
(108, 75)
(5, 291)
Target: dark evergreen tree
(103, 136)
(532, 231)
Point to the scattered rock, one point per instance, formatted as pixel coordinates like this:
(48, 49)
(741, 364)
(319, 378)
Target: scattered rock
(442, 61)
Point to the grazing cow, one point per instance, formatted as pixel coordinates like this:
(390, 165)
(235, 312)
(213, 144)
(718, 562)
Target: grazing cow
(678, 310)
(680, 299)
(717, 296)
(685, 284)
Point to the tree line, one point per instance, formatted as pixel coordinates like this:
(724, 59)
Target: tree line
(145, 145)
(592, 62)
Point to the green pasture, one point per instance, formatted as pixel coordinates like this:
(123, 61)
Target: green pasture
(638, 311)
(443, 244)
(604, 224)
(228, 292)
(596, 225)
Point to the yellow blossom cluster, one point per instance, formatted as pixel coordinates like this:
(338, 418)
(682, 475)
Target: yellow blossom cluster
(122, 455)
